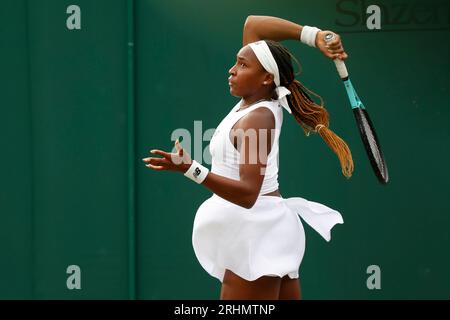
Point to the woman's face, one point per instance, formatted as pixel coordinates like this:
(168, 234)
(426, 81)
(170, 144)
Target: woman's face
(247, 75)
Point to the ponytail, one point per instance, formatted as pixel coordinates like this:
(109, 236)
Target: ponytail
(315, 118)
(311, 116)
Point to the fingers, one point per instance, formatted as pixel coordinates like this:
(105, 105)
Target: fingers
(332, 56)
(156, 161)
(169, 161)
(177, 144)
(154, 167)
(336, 53)
(335, 44)
(161, 153)
(334, 49)
(337, 50)
(179, 147)
(341, 56)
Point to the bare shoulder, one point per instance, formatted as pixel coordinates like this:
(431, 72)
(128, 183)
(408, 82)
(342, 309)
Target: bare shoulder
(260, 118)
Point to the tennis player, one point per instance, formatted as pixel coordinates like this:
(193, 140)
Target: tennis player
(246, 234)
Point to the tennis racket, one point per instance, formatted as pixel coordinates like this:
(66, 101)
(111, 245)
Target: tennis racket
(365, 125)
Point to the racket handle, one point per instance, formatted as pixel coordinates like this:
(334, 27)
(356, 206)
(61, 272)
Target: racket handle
(340, 65)
(341, 68)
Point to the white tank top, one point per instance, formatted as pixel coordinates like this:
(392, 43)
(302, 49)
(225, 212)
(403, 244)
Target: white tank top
(225, 157)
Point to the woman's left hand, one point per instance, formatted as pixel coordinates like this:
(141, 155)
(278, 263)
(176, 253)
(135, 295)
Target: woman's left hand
(332, 49)
(179, 161)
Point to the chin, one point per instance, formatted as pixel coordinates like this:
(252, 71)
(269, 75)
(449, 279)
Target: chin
(234, 94)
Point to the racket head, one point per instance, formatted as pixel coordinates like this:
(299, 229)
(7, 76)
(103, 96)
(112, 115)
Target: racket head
(371, 144)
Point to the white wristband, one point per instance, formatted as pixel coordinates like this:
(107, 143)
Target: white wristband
(308, 35)
(196, 172)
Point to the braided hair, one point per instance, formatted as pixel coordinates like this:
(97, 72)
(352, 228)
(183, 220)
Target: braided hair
(311, 116)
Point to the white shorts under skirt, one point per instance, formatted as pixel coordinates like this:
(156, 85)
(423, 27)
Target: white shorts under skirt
(265, 240)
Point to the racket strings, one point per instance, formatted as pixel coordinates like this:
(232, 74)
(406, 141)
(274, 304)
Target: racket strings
(372, 142)
(311, 115)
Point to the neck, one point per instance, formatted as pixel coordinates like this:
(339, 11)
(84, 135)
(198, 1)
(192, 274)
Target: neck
(247, 101)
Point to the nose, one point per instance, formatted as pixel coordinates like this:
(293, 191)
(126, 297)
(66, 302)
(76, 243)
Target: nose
(232, 70)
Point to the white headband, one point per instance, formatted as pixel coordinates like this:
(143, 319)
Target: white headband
(265, 57)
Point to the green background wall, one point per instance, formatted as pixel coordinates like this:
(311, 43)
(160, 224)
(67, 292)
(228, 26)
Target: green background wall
(74, 110)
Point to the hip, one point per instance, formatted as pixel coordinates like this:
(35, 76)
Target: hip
(267, 208)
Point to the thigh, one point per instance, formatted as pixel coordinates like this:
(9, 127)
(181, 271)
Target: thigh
(290, 289)
(237, 288)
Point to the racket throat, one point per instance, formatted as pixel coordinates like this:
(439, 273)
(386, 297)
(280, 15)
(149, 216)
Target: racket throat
(352, 95)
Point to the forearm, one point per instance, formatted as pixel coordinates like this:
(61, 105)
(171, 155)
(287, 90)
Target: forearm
(235, 191)
(277, 29)
(272, 28)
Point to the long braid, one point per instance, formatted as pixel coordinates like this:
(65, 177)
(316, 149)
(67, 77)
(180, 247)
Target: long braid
(311, 116)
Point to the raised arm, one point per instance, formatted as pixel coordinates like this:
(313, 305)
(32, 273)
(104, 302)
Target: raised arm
(277, 29)
(266, 27)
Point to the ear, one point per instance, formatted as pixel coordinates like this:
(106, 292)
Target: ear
(268, 79)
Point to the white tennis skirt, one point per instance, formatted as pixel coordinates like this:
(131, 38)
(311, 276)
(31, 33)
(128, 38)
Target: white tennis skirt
(265, 240)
